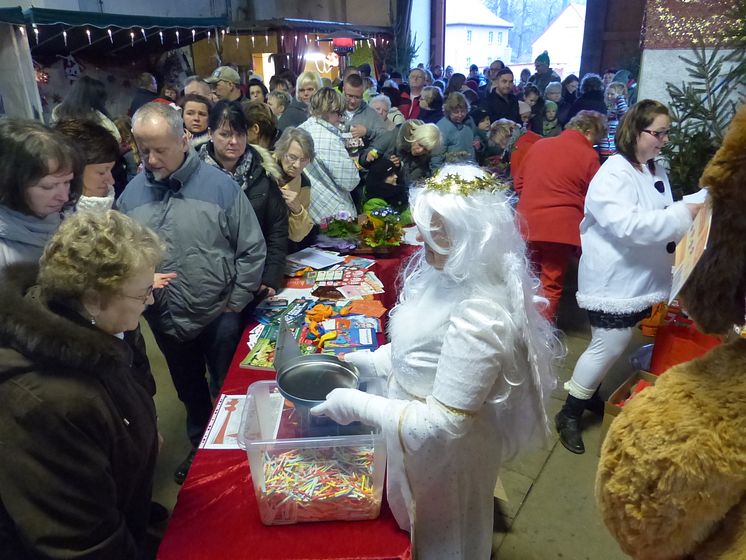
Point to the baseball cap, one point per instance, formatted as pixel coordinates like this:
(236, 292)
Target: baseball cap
(225, 73)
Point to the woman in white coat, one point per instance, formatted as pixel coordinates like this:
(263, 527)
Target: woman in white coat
(468, 368)
(628, 237)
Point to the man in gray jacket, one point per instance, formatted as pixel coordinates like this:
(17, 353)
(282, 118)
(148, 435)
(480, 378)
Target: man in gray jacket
(214, 245)
(365, 126)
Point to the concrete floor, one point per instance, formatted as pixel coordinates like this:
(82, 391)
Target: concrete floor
(550, 512)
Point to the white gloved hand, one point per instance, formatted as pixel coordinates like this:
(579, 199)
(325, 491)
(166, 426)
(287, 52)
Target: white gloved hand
(371, 364)
(345, 406)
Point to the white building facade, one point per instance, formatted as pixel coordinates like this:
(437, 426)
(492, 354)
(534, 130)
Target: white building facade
(563, 40)
(474, 35)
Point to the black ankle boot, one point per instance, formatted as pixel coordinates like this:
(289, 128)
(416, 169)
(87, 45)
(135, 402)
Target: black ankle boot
(183, 469)
(567, 423)
(595, 404)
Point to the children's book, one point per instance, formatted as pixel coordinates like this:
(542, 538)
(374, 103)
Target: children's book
(262, 354)
(354, 338)
(352, 322)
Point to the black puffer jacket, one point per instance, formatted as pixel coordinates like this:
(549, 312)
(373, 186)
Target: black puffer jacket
(256, 173)
(78, 436)
(590, 101)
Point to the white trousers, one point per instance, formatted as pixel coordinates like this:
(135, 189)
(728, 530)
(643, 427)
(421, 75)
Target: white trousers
(606, 346)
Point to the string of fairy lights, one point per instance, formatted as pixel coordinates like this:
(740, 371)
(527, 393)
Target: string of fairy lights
(254, 37)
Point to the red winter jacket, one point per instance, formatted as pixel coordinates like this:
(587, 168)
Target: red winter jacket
(555, 175)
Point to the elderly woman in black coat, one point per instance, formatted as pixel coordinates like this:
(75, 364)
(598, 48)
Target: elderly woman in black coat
(77, 422)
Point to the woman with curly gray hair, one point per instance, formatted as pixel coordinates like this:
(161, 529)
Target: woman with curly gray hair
(78, 423)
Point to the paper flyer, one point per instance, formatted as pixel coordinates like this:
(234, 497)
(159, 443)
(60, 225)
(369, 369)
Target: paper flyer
(690, 249)
(222, 431)
(314, 258)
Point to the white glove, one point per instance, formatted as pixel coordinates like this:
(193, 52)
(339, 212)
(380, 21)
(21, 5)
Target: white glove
(345, 406)
(371, 364)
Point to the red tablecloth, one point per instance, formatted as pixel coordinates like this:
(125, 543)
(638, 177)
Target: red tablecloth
(216, 515)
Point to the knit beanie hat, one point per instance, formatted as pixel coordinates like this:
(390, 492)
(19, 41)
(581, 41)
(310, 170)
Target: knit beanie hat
(523, 108)
(543, 58)
(550, 105)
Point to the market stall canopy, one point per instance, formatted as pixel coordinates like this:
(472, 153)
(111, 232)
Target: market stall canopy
(307, 25)
(12, 15)
(106, 36)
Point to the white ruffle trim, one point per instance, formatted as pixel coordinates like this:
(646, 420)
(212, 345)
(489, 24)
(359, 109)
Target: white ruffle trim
(629, 305)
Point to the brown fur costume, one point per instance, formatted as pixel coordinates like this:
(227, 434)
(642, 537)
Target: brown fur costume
(671, 482)
(716, 290)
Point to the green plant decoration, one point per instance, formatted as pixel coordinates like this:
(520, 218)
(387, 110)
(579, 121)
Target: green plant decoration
(399, 53)
(701, 110)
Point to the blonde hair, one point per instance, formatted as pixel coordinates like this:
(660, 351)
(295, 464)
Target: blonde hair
(502, 128)
(305, 78)
(326, 100)
(618, 88)
(455, 100)
(426, 135)
(97, 251)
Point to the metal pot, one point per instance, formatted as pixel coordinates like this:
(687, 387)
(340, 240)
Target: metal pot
(307, 380)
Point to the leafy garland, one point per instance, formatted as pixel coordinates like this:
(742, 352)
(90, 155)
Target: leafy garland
(453, 184)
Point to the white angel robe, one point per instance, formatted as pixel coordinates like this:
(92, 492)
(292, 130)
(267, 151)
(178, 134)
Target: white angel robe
(446, 360)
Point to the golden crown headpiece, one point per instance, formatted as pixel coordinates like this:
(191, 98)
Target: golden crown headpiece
(454, 184)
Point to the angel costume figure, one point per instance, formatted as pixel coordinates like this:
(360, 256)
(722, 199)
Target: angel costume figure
(468, 368)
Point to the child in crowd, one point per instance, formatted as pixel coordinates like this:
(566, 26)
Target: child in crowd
(431, 105)
(128, 148)
(524, 110)
(551, 123)
(616, 104)
(481, 131)
(457, 130)
(382, 184)
(497, 155)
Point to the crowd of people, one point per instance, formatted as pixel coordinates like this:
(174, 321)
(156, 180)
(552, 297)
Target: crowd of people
(184, 211)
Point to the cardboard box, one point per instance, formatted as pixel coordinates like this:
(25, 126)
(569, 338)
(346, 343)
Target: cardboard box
(621, 394)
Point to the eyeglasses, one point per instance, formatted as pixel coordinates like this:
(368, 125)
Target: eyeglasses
(144, 298)
(292, 159)
(658, 134)
(659, 186)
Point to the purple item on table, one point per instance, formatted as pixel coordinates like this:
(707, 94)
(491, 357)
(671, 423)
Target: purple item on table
(334, 243)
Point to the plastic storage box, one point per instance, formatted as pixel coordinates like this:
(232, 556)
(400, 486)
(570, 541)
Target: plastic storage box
(307, 468)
